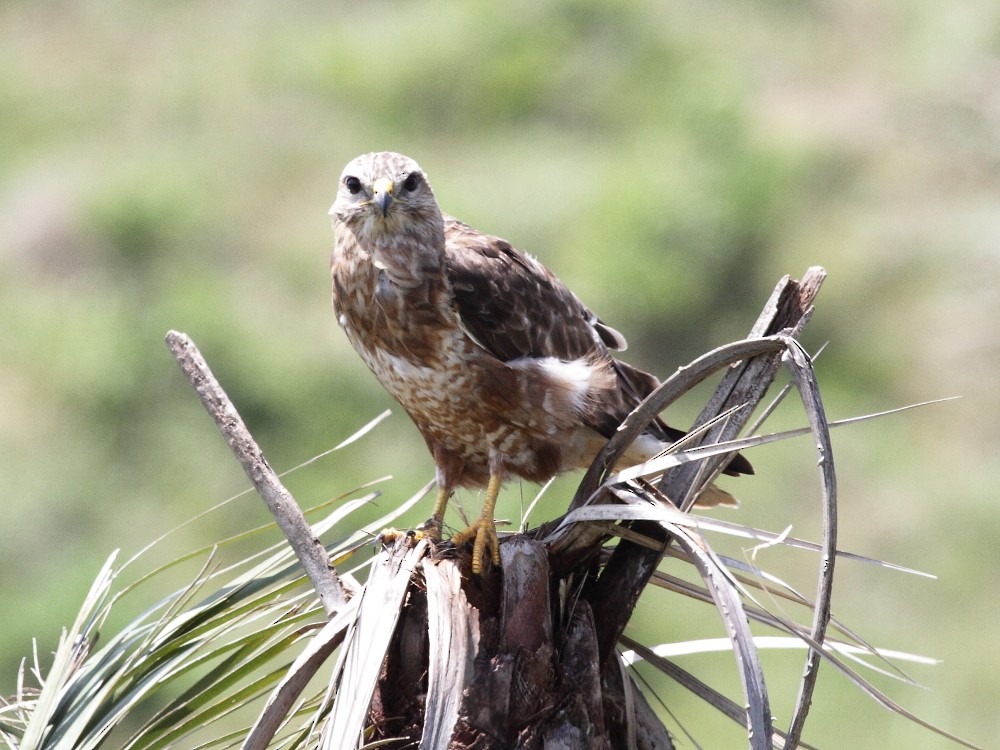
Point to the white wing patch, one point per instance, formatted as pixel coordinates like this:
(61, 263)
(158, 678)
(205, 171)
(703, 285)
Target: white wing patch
(643, 449)
(574, 377)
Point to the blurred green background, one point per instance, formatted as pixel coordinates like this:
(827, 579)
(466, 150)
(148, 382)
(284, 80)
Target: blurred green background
(170, 165)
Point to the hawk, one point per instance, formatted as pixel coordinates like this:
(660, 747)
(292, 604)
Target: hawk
(504, 371)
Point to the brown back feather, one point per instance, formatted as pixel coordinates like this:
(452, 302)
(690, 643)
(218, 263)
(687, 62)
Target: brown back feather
(516, 308)
(513, 306)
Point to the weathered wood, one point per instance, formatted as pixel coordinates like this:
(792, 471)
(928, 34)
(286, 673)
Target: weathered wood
(744, 384)
(361, 662)
(626, 574)
(802, 372)
(453, 635)
(583, 694)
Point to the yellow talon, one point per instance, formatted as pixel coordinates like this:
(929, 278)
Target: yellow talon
(390, 536)
(429, 529)
(484, 530)
(387, 537)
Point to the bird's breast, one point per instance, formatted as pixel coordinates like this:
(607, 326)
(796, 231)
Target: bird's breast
(521, 417)
(379, 313)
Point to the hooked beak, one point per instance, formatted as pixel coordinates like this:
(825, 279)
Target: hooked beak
(382, 194)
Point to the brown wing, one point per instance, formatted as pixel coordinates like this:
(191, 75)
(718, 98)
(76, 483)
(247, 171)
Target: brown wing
(516, 308)
(513, 306)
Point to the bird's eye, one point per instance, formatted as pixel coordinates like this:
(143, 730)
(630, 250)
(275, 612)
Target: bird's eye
(353, 185)
(412, 182)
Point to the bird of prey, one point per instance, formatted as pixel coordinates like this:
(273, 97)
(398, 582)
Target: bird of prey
(504, 371)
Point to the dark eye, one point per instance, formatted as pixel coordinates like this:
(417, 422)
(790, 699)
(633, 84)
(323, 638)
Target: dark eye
(353, 185)
(412, 182)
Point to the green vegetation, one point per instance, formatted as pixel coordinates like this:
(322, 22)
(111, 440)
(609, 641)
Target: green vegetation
(170, 166)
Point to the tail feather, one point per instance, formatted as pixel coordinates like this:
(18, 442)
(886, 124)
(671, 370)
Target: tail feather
(713, 496)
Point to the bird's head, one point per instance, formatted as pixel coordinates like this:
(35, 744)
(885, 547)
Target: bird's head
(383, 195)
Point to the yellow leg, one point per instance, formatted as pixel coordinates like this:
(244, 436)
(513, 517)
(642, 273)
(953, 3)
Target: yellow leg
(431, 528)
(437, 518)
(484, 530)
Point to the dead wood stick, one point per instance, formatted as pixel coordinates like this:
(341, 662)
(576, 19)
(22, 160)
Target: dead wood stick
(278, 499)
